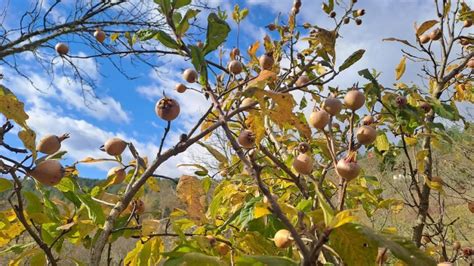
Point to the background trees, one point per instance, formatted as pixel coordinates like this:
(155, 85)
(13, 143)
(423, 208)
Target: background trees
(287, 178)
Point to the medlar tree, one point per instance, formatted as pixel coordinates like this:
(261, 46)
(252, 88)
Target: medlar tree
(285, 183)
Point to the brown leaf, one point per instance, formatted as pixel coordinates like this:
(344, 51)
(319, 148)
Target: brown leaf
(425, 26)
(191, 192)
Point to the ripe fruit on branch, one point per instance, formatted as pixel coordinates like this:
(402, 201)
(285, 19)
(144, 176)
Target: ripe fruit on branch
(332, 105)
(303, 147)
(368, 120)
(456, 245)
(190, 75)
(282, 238)
(235, 52)
(303, 164)
(180, 87)
(48, 172)
(222, 249)
(61, 48)
(348, 168)
(401, 101)
(435, 35)
(470, 206)
(167, 109)
(99, 36)
(246, 139)
(347, 20)
(119, 173)
(354, 99)
(470, 63)
(302, 80)
(51, 143)
(138, 205)
(235, 67)
(115, 146)
(266, 62)
(467, 23)
(319, 119)
(360, 12)
(425, 106)
(464, 41)
(212, 240)
(424, 38)
(332, 14)
(358, 21)
(366, 135)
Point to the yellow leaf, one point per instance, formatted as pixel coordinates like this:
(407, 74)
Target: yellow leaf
(252, 51)
(342, 218)
(410, 141)
(263, 78)
(114, 36)
(326, 38)
(256, 123)
(436, 183)
(153, 184)
(191, 193)
(7, 235)
(260, 211)
(381, 142)
(400, 69)
(28, 137)
(390, 230)
(150, 226)
(12, 108)
(425, 26)
(420, 159)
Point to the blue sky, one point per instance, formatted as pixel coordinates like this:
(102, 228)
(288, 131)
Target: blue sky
(128, 111)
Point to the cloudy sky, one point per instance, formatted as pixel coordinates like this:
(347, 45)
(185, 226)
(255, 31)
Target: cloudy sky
(125, 108)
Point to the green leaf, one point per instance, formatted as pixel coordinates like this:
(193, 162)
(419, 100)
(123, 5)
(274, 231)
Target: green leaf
(95, 212)
(352, 59)
(217, 154)
(400, 69)
(183, 26)
(34, 204)
(358, 245)
(327, 211)
(5, 184)
(180, 3)
(217, 31)
(166, 40)
(264, 260)
(446, 111)
(194, 259)
(165, 6)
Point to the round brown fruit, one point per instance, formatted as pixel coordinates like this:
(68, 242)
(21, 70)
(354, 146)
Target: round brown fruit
(348, 169)
(48, 172)
(99, 36)
(366, 135)
(51, 143)
(319, 119)
(332, 105)
(61, 48)
(303, 164)
(167, 109)
(247, 102)
(115, 146)
(246, 139)
(282, 238)
(212, 240)
(119, 173)
(470, 63)
(424, 39)
(138, 205)
(456, 245)
(401, 101)
(360, 12)
(354, 99)
(467, 23)
(303, 147)
(266, 62)
(464, 41)
(435, 35)
(470, 206)
(235, 67)
(222, 249)
(347, 20)
(180, 87)
(332, 14)
(358, 21)
(467, 251)
(302, 80)
(368, 120)
(190, 75)
(425, 106)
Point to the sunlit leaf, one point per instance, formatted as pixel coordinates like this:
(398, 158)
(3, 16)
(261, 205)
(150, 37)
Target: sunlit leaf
(5, 184)
(400, 69)
(425, 26)
(352, 59)
(191, 193)
(217, 31)
(381, 142)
